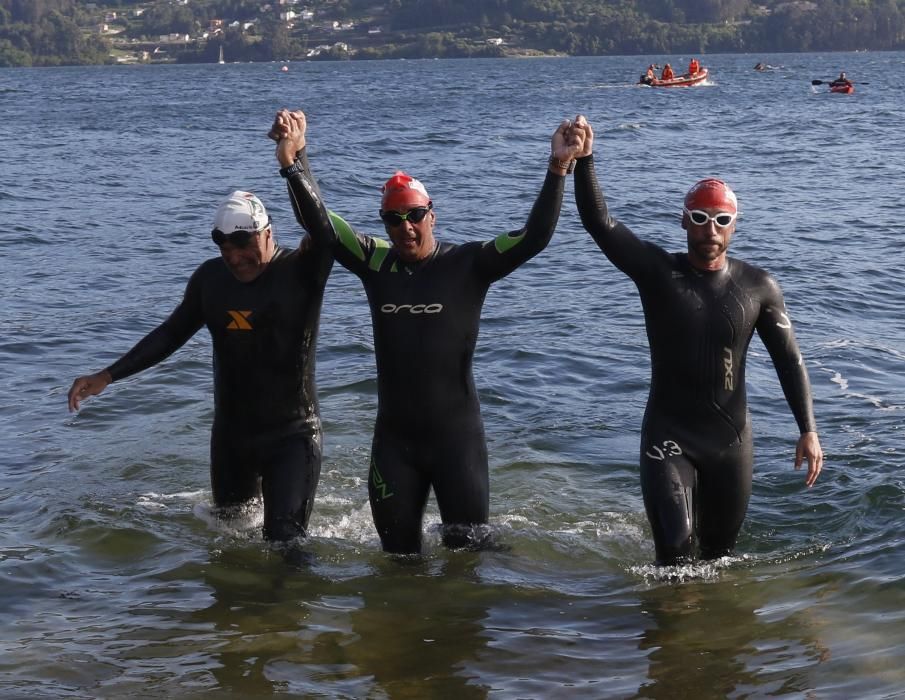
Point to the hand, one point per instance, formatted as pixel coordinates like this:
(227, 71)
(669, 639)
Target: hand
(581, 124)
(809, 448)
(567, 142)
(88, 385)
(288, 131)
(279, 127)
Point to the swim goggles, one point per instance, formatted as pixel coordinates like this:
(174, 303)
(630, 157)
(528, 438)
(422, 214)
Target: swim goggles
(700, 218)
(416, 215)
(238, 239)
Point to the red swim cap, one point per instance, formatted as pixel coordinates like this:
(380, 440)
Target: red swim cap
(402, 192)
(711, 193)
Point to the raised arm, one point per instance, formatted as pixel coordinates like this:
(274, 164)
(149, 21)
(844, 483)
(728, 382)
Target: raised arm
(156, 346)
(351, 249)
(506, 252)
(289, 131)
(625, 250)
(775, 330)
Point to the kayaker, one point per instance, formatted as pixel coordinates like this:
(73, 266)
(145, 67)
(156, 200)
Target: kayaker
(667, 73)
(701, 309)
(693, 67)
(841, 81)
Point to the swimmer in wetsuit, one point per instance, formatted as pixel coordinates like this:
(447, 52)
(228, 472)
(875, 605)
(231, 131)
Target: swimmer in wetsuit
(261, 304)
(425, 299)
(701, 309)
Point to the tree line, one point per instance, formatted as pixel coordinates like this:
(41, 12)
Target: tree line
(55, 32)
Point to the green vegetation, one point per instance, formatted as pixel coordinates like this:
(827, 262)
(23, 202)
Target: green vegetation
(58, 32)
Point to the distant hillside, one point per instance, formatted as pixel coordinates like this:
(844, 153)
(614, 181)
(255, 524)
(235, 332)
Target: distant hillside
(56, 32)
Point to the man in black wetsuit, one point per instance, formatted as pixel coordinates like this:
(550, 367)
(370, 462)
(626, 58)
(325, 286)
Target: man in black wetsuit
(701, 309)
(425, 299)
(261, 304)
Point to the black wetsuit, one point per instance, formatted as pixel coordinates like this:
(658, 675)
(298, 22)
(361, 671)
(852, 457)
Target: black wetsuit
(696, 447)
(425, 317)
(266, 421)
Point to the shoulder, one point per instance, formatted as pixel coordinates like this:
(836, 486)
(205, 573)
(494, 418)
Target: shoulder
(210, 268)
(753, 277)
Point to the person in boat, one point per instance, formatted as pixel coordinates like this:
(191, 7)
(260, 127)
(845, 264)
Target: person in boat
(841, 81)
(649, 75)
(701, 308)
(667, 73)
(426, 298)
(261, 304)
(693, 67)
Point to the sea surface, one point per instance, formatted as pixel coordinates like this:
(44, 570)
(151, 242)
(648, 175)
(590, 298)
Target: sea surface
(116, 580)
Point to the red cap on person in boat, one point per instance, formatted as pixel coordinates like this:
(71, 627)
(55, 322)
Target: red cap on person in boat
(402, 192)
(711, 193)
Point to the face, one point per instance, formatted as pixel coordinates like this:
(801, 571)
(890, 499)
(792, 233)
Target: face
(708, 242)
(413, 241)
(247, 262)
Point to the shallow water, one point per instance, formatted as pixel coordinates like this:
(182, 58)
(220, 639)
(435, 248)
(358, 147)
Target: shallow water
(120, 581)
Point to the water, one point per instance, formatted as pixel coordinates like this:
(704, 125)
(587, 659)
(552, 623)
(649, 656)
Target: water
(117, 580)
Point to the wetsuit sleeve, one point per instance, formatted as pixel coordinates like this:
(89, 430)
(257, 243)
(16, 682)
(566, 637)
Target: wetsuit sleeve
(356, 252)
(506, 252)
(168, 337)
(307, 203)
(353, 250)
(775, 330)
(623, 248)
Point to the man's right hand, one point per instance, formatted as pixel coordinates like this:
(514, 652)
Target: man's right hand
(581, 124)
(88, 385)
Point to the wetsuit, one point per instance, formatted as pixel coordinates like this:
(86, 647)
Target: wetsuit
(696, 447)
(266, 421)
(425, 318)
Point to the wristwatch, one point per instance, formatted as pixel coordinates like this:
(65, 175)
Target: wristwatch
(291, 170)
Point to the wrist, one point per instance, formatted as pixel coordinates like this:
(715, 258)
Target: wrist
(292, 169)
(562, 167)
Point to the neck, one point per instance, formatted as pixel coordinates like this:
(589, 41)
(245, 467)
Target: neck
(707, 265)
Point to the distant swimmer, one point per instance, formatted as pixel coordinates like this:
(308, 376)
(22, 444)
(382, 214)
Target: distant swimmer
(426, 298)
(701, 309)
(261, 304)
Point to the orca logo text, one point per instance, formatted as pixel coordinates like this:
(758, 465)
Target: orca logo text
(412, 308)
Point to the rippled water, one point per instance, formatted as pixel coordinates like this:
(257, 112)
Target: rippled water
(118, 581)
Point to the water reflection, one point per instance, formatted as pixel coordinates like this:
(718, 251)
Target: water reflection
(419, 631)
(718, 640)
(406, 629)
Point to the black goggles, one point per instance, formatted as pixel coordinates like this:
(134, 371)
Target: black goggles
(416, 215)
(238, 239)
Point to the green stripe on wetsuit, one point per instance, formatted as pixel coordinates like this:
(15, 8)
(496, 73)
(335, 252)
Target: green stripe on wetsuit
(351, 243)
(508, 241)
